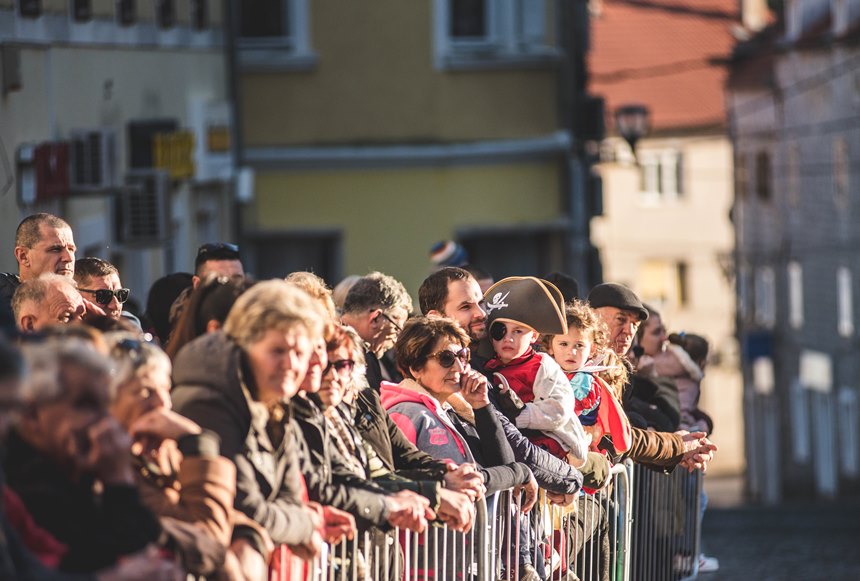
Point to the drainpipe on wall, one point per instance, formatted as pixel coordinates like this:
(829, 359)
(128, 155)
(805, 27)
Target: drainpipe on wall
(573, 40)
(237, 148)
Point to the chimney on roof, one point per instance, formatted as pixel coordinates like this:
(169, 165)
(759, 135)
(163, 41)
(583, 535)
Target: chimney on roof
(754, 14)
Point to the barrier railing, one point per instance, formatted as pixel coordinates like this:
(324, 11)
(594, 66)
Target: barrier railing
(644, 526)
(668, 524)
(589, 539)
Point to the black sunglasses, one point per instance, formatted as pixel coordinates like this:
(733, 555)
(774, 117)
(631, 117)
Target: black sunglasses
(447, 358)
(105, 295)
(340, 366)
(217, 247)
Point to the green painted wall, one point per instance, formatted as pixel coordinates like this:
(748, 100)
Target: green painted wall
(390, 218)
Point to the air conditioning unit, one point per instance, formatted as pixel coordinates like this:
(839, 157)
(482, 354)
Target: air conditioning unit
(142, 211)
(93, 159)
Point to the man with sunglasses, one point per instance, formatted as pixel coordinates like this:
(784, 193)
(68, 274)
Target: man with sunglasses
(219, 258)
(214, 259)
(98, 281)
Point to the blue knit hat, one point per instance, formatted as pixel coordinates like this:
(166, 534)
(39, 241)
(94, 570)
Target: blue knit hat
(448, 253)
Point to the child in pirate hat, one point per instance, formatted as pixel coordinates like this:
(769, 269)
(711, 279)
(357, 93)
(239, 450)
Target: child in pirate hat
(533, 390)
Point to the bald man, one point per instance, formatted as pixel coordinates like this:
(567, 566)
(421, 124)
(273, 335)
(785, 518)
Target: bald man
(50, 299)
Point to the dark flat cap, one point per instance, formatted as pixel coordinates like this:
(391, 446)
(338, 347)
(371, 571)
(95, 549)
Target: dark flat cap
(610, 294)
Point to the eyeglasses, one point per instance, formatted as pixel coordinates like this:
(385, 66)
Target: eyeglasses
(340, 366)
(447, 358)
(397, 327)
(105, 295)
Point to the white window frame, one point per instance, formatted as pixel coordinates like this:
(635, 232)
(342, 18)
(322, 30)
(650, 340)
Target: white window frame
(845, 302)
(664, 186)
(288, 51)
(516, 35)
(765, 296)
(795, 294)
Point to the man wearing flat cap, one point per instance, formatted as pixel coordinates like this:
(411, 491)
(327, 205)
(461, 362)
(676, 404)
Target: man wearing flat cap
(621, 310)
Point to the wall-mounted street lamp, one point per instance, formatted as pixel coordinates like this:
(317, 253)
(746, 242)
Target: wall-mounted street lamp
(632, 122)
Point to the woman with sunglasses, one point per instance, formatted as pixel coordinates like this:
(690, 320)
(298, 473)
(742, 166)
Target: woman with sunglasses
(432, 354)
(434, 359)
(342, 381)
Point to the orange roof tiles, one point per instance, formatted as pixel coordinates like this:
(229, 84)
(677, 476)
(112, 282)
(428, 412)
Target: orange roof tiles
(669, 55)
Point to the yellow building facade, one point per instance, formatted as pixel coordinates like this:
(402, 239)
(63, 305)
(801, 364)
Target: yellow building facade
(377, 129)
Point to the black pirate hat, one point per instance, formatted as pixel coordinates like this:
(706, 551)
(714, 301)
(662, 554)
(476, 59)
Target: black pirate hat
(528, 301)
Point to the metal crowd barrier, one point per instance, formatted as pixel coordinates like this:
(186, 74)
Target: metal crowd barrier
(667, 530)
(438, 554)
(644, 527)
(589, 539)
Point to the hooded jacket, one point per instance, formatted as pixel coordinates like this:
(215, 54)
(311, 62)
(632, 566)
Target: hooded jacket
(397, 453)
(209, 389)
(442, 433)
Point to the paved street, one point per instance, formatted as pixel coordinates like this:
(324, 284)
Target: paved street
(794, 543)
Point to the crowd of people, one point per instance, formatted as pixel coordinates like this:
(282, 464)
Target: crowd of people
(230, 418)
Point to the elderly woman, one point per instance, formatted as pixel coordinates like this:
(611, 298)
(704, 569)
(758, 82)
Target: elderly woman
(178, 469)
(433, 356)
(338, 394)
(238, 383)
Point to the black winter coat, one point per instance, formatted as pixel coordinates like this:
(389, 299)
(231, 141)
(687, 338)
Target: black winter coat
(208, 388)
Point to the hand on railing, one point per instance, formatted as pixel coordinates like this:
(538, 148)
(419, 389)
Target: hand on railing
(530, 493)
(699, 450)
(309, 550)
(407, 510)
(466, 479)
(456, 510)
(335, 523)
(560, 499)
